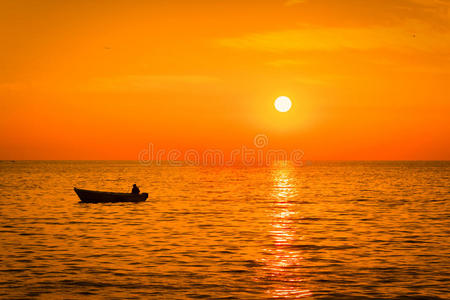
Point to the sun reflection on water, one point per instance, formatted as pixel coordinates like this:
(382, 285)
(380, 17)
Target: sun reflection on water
(282, 262)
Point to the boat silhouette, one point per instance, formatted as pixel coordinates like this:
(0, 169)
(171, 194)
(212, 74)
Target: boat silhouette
(87, 196)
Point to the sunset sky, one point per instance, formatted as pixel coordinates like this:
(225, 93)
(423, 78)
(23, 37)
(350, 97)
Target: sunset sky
(369, 79)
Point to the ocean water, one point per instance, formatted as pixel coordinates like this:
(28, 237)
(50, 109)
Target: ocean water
(328, 230)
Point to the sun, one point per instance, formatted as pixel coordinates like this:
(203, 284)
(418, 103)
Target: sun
(283, 104)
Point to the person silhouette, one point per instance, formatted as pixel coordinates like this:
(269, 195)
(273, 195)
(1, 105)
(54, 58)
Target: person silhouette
(135, 189)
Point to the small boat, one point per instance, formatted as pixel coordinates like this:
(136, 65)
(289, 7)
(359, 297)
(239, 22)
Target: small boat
(88, 196)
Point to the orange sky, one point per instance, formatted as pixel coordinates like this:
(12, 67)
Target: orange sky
(369, 79)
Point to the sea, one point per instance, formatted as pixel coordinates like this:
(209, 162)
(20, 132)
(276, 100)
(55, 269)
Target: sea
(321, 230)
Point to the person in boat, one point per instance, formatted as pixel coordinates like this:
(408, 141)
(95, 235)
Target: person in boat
(135, 189)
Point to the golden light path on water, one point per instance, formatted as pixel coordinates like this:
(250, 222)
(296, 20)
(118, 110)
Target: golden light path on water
(283, 262)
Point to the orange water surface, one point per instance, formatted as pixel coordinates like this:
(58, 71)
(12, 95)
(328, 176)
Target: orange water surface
(334, 230)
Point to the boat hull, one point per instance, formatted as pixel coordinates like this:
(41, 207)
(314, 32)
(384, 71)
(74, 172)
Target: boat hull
(87, 196)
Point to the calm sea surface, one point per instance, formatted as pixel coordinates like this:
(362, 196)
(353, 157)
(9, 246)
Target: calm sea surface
(333, 230)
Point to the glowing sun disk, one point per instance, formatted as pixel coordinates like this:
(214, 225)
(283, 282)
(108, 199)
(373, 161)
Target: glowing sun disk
(283, 104)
